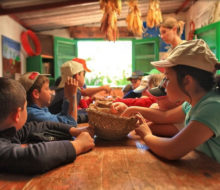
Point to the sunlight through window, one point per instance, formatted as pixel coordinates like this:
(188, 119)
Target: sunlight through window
(110, 62)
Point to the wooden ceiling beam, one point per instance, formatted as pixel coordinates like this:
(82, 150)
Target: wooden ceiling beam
(61, 12)
(42, 6)
(184, 4)
(63, 20)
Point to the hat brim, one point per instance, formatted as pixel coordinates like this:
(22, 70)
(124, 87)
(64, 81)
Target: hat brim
(83, 62)
(134, 77)
(162, 64)
(157, 92)
(87, 70)
(139, 89)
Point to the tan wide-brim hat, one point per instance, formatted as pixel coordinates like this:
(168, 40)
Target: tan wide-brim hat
(68, 69)
(193, 53)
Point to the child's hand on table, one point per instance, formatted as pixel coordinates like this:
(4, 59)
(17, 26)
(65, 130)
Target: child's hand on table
(142, 127)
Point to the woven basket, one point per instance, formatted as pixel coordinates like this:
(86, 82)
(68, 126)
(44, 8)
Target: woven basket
(108, 126)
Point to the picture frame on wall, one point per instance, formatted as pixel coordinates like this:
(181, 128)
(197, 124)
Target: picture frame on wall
(11, 61)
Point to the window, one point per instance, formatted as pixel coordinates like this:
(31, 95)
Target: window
(110, 62)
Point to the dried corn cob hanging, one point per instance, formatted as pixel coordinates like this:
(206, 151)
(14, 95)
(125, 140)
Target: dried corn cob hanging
(133, 19)
(154, 16)
(111, 9)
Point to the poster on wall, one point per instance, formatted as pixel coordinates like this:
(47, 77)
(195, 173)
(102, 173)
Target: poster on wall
(11, 62)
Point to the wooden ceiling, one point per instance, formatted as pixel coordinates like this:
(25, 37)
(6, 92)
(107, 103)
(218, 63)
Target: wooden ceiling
(43, 15)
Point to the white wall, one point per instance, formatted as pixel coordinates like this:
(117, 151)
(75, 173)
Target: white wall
(12, 30)
(217, 13)
(58, 32)
(203, 12)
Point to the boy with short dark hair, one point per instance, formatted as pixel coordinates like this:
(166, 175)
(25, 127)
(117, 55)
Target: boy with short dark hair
(39, 98)
(18, 152)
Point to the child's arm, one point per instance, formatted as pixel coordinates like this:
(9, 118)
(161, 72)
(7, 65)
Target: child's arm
(77, 131)
(41, 157)
(70, 93)
(83, 143)
(35, 158)
(175, 115)
(39, 127)
(165, 130)
(173, 148)
(92, 91)
(39, 115)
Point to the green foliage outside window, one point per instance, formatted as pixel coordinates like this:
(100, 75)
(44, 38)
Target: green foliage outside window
(99, 80)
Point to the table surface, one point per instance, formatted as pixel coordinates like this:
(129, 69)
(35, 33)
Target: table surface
(125, 164)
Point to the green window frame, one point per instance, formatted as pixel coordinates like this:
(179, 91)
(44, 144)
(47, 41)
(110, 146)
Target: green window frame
(143, 52)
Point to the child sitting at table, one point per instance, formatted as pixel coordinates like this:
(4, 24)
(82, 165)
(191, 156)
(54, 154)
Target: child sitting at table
(56, 104)
(136, 94)
(24, 148)
(39, 98)
(147, 82)
(162, 104)
(69, 69)
(189, 71)
(91, 92)
(135, 80)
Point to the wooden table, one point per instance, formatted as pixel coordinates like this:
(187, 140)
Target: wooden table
(125, 164)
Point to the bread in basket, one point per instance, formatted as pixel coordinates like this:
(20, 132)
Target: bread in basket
(109, 126)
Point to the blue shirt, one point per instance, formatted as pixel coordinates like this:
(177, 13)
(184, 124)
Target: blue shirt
(132, 94)
(36, 113)
(57, 103)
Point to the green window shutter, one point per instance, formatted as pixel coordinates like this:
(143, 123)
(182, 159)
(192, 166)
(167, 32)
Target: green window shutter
(64, 50)
(143, 52)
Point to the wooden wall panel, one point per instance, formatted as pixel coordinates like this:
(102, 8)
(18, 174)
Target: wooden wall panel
(81, 32)
(46, 44)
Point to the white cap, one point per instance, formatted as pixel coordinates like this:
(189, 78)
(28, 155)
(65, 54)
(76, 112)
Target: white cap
(68, 69)
(143, 85)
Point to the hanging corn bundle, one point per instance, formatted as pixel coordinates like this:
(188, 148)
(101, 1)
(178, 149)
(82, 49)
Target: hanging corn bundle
(133, 19)
(112, 9)
(154, 16)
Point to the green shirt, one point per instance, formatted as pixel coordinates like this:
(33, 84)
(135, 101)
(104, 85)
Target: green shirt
(186, 107)
(206, 111)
